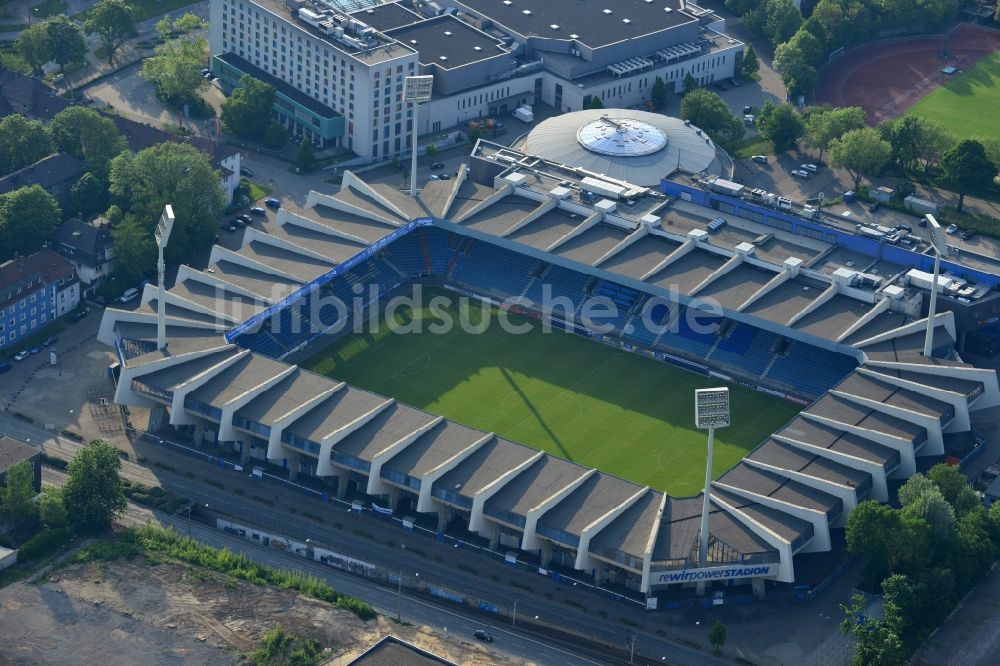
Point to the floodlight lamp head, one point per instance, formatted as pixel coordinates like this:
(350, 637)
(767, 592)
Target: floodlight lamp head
(711, 408)
(164, 226)
(417, 89)
(937, 238)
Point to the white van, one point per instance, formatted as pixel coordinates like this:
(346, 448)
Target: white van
(130, 294)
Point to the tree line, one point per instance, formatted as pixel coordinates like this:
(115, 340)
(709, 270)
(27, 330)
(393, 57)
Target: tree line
(923, 557)
(130, 189)
(802, 44)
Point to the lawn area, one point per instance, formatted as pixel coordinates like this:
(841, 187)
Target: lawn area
(967, 105)
(572, 397)
(752, 145)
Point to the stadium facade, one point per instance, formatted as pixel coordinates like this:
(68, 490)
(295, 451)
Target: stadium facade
(338, 65)
(796, 317)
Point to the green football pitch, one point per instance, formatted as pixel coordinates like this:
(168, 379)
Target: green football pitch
(966, 106)
(575, 398)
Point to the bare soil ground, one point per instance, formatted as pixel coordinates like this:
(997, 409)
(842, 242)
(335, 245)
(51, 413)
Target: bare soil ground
(135, 613)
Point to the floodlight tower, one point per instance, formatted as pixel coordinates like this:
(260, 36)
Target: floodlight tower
(162, 235)
(940, 247)
(711, 411)
(416, 89)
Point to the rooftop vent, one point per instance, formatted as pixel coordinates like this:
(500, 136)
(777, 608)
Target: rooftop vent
(667, 9)
(447, 33)
(575, 36)
(526, 12)
(413, 41)
(477, 48)
(607, 11)
(443, 58)
(626, 20)
(554, 26)
(507, 2)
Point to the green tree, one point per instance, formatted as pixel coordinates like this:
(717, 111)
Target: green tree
(916, 486)
(28, 216)
(966, 169)
(33, 46)
(824, 125)
(94, 493)
(871, 532)
(113, 21)
(175, 70)
(967, 501)
(706, 110)
(717, 636)
(88, 196)
(914, 607)
(66, 41)
(658, 93)
(15, 499)
(188, 23)
(991, 146)
(690, 83)
(975, 551)
(305, 159)
(931, 507)
(781, 20)
(595, 103)
(862, 152)
(803, 45)
(780, 124)
(134, 248)
(22, 142)
(431, 150)
(875, 643)
(915, 139)
(949, 480)
(174, 173)
(247, 111)
(87, 134)
(51, 510)
(751, 63)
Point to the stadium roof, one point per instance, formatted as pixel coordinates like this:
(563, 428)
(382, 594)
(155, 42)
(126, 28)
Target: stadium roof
(487, 464)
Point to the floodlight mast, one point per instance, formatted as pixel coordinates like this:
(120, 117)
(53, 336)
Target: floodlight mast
(416, 89)
(711, 411)
(940, 247)
(162, 235)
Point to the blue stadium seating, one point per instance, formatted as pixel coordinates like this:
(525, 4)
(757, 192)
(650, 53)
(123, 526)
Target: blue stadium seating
(490, 269)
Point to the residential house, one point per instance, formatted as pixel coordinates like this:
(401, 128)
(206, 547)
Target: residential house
(89, 247)
(35, 291)
(56, 174)
(14, 451)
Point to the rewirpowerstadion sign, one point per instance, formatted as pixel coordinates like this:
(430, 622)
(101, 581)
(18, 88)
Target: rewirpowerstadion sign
(715, 573)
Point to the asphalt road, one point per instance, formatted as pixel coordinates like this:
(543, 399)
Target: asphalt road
(584, 621)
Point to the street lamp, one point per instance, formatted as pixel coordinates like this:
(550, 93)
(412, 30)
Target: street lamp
(711, 411)
(416, 89)
(940, 246)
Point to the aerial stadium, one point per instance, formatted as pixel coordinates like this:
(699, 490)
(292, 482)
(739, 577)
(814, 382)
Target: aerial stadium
(576, 446)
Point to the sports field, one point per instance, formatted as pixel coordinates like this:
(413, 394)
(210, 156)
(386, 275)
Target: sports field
(572, 397)
(968, 104)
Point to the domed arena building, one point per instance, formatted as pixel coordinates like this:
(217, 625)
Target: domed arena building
(625, 144)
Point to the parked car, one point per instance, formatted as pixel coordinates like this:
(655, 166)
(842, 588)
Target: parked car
(246, 172)
(272, 202)
(952, 229)
(49, 341)
(747, 109)
(246, 218)
(230, 227)
(239, 223)
(4, 367)
(208, 76)
(968, 234)
(205, 71)
(21, 355)
(904, 227)
(872, 207)
(434, 176)
(445, 176)
(130, 294)
(35, 350)
(483, 635)
(810, 167)
(437, 165)
(734, 82)
(257, 210)
(799, 173)
(923, 222)
(760, 159)
(81, 315)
